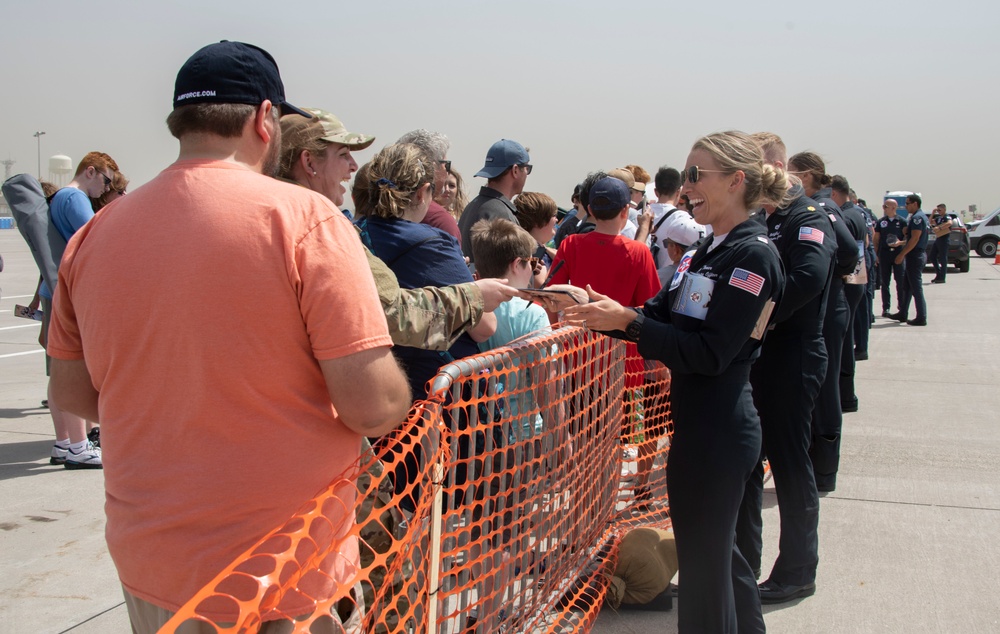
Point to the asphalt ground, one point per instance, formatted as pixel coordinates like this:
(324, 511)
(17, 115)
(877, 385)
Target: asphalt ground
(908, 542)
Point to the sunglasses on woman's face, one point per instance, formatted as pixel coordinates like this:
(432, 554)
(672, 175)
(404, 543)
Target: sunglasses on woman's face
(692, 174)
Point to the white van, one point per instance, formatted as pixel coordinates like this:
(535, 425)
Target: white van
(984, 234)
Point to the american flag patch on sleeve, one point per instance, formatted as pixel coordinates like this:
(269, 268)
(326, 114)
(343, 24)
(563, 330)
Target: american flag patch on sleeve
(808, 233)
(750, 282)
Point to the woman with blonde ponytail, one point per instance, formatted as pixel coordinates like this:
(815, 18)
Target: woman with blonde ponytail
(706, 325)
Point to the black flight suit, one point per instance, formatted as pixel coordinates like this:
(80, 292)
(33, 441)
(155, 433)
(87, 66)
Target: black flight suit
(786, 380)
(887, 266)
(825, 451)
(717, 437)
(828, 417)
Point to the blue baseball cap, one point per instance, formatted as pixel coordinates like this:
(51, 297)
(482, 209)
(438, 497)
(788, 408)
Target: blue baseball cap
(501, 156)
(232, 72)
(609, 194)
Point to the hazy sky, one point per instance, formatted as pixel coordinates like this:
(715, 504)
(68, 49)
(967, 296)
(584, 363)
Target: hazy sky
(894, 95)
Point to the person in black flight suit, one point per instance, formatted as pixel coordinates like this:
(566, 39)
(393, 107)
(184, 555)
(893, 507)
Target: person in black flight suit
(827, 418)
(889, 234)
(914, 254)
(826, 441)
(786, 381)
(706, 325)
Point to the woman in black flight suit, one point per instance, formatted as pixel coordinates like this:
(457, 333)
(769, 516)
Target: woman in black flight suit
(706, 325)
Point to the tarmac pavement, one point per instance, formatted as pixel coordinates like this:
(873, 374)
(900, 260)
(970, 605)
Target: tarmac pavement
(908, 542)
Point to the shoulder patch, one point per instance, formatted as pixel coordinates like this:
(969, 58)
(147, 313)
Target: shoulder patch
(810, 234)
(762, 239)
(744, 279)
(832, 218)
(811, 208)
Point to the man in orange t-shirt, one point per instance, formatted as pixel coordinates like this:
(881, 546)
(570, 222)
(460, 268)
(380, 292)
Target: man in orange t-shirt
(225, 329)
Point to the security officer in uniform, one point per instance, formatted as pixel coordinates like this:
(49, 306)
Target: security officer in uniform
(941, 226)
(889, 234)
(786, 380)
(914, 254)
(706, 325)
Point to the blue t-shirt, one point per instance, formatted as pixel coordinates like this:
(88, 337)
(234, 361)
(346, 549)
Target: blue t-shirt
(515, 319)
(69, 210)
(918, 222)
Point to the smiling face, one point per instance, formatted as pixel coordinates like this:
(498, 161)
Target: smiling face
(333, 168)
(446, 195)
(710, 196)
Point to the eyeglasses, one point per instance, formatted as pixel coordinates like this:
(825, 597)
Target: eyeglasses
(447, 165)
(693, 173)
(535, 264)
(885, 206)
(107, 179)
(526, 167)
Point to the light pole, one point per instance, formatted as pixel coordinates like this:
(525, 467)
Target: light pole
(38, 135)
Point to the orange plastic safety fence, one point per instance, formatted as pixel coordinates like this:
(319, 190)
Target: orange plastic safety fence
(541, 482)
(351, 555)
(498, 505)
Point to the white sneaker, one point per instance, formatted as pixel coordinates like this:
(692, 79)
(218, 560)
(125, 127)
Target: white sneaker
(89, 458)
(58, 455)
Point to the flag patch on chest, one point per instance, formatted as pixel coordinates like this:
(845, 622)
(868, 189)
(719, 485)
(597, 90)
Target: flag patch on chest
(808, 233)
(750, 282)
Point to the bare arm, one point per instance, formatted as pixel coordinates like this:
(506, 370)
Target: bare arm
(368, 390)
(485, 328)
(73, 389)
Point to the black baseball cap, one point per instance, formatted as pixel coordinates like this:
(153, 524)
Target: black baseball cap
(232, 72)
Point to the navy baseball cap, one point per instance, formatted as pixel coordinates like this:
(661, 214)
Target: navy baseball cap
(232, 72)
(503, 154)
(609, 194)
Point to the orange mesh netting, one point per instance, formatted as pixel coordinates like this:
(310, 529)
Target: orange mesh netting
(497, 506)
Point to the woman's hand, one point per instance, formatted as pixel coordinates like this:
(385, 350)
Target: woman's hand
(602, 313)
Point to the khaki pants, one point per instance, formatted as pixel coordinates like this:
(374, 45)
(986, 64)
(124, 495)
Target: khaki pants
(147, 618)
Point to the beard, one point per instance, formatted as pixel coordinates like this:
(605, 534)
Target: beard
(272, 158)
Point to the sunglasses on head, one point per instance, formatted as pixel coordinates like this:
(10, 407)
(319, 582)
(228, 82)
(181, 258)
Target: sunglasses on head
(691, 174)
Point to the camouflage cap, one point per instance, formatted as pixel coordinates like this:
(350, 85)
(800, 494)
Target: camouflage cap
(297, 130)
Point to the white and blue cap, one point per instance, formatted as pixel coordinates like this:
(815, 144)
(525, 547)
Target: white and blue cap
(502, 155)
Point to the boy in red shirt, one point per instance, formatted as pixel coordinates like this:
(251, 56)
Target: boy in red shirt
(611, 264)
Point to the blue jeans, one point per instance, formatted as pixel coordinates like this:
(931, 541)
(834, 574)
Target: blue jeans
(913, 285)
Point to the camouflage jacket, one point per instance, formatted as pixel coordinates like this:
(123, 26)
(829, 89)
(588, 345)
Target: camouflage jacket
(428, 318)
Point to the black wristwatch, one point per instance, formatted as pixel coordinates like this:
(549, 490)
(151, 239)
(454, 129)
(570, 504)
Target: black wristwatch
(635, 327)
